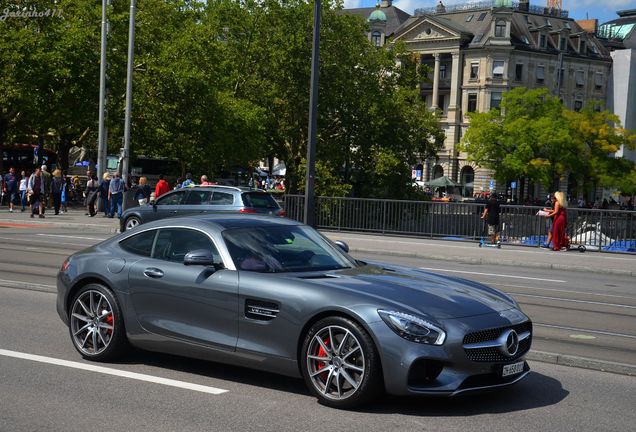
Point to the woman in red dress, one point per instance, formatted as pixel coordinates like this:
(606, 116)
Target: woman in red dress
(560, 221)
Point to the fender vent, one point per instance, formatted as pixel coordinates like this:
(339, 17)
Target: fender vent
(261, 310)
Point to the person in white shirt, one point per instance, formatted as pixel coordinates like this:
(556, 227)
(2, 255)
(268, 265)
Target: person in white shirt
(23, 189)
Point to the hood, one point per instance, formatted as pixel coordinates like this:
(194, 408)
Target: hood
(428, 294)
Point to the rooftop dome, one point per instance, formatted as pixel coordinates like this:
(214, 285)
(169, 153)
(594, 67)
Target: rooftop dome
(377, 15)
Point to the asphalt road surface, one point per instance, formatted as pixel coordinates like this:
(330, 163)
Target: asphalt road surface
(46, 385)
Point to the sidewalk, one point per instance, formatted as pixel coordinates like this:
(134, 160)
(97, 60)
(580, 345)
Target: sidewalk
(456, 251)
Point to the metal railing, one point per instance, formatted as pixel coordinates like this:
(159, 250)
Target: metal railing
(601, 230)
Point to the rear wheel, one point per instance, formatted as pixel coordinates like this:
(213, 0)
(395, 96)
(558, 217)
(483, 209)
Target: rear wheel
(132, 222)
(340, 364)
(96, 324)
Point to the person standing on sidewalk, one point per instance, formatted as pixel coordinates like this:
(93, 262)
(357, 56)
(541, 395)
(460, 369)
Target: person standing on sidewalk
(45, 189)
(34, 190)
(10, 187)
(162, 187)
(116, 195)
(104, 185)
(491, 214)
(23, 190)
(559, 235)
(91, 192)
(549, 207)
(142, 195)
(56, 190)
(64, 195)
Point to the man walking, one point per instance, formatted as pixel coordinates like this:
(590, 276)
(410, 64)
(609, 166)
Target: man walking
(162, 187)
(116, 195)
(46, 189)
(491, 214)
(10, 187)
(34, 190)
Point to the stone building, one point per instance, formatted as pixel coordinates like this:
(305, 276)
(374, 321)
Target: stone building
(478, 51)
(383, 20)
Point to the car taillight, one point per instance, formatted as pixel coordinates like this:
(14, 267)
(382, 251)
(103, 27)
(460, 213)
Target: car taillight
(65, 265)
(246, 210)
(281, 213)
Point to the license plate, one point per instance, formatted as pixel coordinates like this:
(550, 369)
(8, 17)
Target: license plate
(512, 369)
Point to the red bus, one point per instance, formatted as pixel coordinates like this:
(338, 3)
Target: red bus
(22, 158)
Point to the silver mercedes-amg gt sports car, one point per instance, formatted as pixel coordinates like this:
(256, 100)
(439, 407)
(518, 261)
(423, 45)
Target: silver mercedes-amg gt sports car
(275, 295)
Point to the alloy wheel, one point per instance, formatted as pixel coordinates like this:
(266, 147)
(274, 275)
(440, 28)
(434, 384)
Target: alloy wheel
(335, 362)
(92, 323)
(131, 223)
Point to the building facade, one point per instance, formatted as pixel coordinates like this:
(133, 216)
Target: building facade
(478, 51)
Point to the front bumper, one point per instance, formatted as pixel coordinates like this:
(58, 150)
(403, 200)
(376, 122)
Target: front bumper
(418, 369)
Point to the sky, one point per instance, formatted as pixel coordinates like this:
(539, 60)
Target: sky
(603, 10)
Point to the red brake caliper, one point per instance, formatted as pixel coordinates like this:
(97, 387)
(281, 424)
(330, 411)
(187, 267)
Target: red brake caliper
(323, 353)
(109, 321)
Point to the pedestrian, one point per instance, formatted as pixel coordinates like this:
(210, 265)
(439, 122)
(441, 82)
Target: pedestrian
(56, 190)
(23, 190)
(64, 196)
(188, 181)
(46, 188)
(204, 181)
(491, 214)
(104, 185)
(34, 191)
(10, 187)
(91, 193)
(549, 207)
(142, 195)
(116, 191)
(162, 187)
(559, 224)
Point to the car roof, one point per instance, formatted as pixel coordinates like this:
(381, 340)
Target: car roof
(223, 221)
(232, 188)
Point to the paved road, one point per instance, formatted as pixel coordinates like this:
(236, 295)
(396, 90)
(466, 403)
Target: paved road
(37, 395)
(578, 314)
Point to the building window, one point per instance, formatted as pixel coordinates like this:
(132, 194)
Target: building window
(500, 28)
(440, 103)
(542, 40)
(482, 16)
(376, 38)
(583, 47)
(469, 18)
(598, 80)
(497, 69)
(562, 44)
(580, 78)
(578, 105)
(474, 70)
(495, 100)
(561, 76)
(519, 72)
(540, 74)
(442, 71)
(472, 102)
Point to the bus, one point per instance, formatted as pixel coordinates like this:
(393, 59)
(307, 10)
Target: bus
(22, 157)
(149, 167)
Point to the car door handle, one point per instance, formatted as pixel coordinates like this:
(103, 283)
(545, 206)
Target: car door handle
(154, 273)
(173, 212)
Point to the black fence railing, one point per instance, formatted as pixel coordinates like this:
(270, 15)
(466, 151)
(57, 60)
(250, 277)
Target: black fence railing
(601, 230)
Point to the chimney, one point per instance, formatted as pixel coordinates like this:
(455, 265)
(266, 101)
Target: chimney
(524, 5)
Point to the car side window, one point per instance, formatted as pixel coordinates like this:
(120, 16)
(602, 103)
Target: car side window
(171, 199)
(196, 197)
(139, 244)
(222, 198)
(174, 243)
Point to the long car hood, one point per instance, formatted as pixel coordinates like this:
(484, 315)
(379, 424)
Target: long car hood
(437, 296)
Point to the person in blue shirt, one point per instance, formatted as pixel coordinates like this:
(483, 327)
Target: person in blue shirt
(188, 181)
(116, 191)
(10, 187)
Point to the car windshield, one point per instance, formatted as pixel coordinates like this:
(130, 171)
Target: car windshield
(283, 248)
(259, 200)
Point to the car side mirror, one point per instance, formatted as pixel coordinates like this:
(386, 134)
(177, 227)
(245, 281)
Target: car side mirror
(342, 245)
(202, 257)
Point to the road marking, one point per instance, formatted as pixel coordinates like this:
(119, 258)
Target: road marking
(115, 372)
(584, 337)
(492, 274)
(576, 329)
(69, 236)
(560, 290)
(573, 300)
(22, 239)
(20, 283)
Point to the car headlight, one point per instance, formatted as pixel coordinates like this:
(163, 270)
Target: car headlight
(413, 328)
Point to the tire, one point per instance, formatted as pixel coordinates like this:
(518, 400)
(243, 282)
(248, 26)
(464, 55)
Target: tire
(353, 374)
(131, 222)
(96, 324)
(582, 248)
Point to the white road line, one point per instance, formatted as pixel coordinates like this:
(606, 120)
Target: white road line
(561, 290)
(585, 330)
(33, 240)
(12, 282)
(115, 372)
(492, 274)
(573, 300)
(73, 237)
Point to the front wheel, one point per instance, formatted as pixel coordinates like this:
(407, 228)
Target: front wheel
(131, 222)
(340, 364)
(96, 324)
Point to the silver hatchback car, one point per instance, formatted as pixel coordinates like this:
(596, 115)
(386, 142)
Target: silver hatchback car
(201, 200)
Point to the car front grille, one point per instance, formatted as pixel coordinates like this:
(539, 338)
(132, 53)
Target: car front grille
(494, 354)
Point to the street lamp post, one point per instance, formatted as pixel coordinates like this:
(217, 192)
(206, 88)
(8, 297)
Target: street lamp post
(310, 199)
(101, 132)
(129, 81)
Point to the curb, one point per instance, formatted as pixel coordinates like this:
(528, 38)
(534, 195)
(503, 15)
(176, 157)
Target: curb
(96, 228)
(466, 260)
(582, 362)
